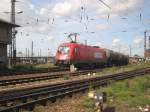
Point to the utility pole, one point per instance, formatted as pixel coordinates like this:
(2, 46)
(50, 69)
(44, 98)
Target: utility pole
(149, 42)
(32, 52)
(26, 52)
(40, 53)
(130, 50)
(13, 43)
(85, 42)
(32, 49)
(145, 44)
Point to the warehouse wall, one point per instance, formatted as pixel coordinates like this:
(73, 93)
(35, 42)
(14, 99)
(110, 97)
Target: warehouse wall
(5, 33)
(3, 56)
(5, 39)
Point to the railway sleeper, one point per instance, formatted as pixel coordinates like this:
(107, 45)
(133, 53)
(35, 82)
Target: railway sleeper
(81, 89)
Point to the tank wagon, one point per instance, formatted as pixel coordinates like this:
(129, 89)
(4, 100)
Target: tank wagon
(81, 55)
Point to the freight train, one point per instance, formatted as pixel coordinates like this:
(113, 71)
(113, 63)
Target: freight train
(82, 55)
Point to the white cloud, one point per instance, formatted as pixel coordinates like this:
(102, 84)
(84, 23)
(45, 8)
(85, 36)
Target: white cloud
(115, 42)
(43, 28)
(148, 21)
(32, 7)
(38, 28)
(50, 38)
(42, 11)
(138, 40)
(99, 44)
(66, 8)
(32, 13)
(62, 8)
(119, 46)
(102, 26)
(69, 7)
(117, 7)
(5, 7)
(102, 45)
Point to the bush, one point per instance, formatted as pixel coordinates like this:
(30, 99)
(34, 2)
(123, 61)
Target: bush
(88, 103)
(131, 91)
(25, 67)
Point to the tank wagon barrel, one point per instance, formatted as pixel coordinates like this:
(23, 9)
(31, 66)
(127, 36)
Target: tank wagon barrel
(116, 58)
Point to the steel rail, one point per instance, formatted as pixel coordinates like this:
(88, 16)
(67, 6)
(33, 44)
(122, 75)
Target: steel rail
(44, 88)
(43, 70)
(62, 90)
(33, 78)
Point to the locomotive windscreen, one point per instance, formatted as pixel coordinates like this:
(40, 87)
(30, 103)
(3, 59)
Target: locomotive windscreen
(63, 49)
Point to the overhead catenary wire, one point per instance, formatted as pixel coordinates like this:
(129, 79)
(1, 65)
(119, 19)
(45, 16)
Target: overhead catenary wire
(35, 20)
(48, 20)
(105, 4)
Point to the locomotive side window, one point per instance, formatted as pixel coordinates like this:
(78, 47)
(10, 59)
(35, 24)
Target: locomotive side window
(98, 55)
(64, 49)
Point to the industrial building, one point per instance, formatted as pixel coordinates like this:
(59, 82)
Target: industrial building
(147, 53)
(5, 39)
(146, 46)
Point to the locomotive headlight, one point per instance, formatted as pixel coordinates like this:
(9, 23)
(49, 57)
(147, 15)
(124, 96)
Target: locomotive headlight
(64, 57)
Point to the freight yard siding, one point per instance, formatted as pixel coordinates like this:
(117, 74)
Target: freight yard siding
(5, 39)
(34, 60)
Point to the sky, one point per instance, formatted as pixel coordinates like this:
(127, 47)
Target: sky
(48, 23)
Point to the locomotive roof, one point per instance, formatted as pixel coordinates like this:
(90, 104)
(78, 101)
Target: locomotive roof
(96, 47)
(79, 44)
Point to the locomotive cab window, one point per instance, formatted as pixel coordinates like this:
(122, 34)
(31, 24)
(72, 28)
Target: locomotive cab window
(63, 49)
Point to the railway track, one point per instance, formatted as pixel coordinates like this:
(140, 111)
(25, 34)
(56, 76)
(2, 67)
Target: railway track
(5, 81)
(27, 99)
(44, 70)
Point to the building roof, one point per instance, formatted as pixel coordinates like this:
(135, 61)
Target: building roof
(147, 49)
(8, 23)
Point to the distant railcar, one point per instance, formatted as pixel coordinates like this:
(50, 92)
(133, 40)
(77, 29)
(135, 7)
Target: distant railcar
(81, 55)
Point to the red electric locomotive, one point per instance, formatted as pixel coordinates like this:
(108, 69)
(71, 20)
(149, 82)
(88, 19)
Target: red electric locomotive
(81, 55)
